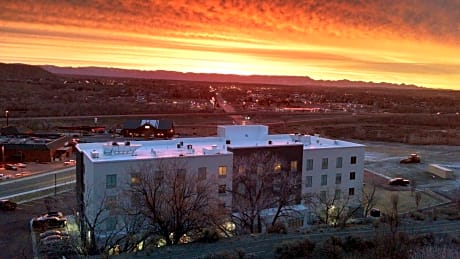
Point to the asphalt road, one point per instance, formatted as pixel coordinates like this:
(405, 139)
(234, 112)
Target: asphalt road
(25, 184)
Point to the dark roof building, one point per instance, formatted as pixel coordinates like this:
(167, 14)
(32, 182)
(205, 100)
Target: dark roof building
(148, 128)
(34, 147)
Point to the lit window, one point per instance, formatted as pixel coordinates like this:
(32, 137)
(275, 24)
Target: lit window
(324, 164)
(338, 178)
(222, 171)
(309, 181)
(338, 163)
(110, 181)
(277, 167)
(202, 173)
(324, 179)
(353, 160)
(352, 175)
(135, 179)
(241, 169)
(309, 164)
(294, 166)
(222, 189)
(351, 191)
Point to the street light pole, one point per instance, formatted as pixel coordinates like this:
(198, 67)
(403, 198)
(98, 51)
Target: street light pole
(6, 115)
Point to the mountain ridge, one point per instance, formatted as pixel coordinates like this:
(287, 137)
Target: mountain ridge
(24, 71)
(213, 77)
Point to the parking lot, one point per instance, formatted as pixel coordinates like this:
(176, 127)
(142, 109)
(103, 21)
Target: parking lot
(384, 159)
(15, 234)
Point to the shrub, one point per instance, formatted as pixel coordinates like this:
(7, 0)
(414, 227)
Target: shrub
(417, 215)
(209, 236)
(295, 249)
(278, 228)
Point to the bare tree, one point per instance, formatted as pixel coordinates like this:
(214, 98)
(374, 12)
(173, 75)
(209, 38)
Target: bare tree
(331, 208)
(122, 231)
(369, 199)
(260, 182)
(174, 202)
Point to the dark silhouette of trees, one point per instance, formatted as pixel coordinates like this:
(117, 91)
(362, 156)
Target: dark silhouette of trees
(174, 202)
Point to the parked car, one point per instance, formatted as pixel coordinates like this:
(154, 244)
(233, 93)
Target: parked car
(70, 162)
(11, 167)
(53, 232)
(20, 165)
(7, 205)
(49, 220)
(4, 176)
(399, 182)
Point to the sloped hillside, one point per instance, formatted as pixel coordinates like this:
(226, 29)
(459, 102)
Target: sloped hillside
(23, 72)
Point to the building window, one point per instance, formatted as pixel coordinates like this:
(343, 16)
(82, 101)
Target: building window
(260, 169)
(110, 181)
(352, 175)
(338, 178)
(222, 189)
(111, 223)
(324, 179)
(353, 160)
(277, 167)
(222, 171)
(201, 173)
(135, 179)
(180, 173)
(159, 175)
(309, 181)
(338, 163)
(111, 202)
(322, 196)
(294, 166)
(324, 163)
(241, 169)
(309, 164)
(351, 191)
(337, 194)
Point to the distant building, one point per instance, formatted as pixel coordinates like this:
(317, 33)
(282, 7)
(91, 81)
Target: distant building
(105, 170)
(148, 128)
(34, 147)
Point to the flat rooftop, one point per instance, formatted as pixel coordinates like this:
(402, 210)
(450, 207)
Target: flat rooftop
(234, 136)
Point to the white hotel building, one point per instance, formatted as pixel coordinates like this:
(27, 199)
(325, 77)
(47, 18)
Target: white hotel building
(104, 169)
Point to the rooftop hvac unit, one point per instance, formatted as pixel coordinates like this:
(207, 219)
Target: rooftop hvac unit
(94, 154)
(189, 147)
(270, 142)
(227, 141)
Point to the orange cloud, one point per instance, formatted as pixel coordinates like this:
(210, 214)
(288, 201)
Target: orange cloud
(380, 40)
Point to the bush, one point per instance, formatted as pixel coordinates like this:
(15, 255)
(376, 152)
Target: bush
(278, 228)
(295, 249)
(209, 236)
(417, 215)
(238, 254)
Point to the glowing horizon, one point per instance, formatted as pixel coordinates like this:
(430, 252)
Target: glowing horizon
(378, 41)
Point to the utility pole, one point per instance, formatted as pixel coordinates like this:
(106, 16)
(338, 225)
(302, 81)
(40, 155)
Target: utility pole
(6, 115)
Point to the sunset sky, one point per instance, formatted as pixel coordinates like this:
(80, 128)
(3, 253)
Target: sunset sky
(398, 41)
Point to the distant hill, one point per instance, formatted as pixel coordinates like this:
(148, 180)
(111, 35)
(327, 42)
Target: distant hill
(252, 79)
(22, 71)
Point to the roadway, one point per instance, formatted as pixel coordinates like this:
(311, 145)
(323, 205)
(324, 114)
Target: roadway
(35, 182)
